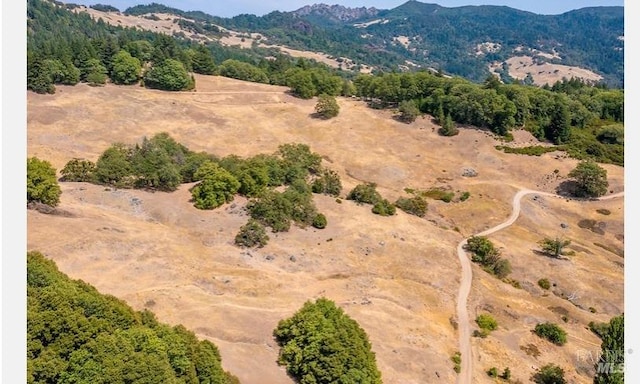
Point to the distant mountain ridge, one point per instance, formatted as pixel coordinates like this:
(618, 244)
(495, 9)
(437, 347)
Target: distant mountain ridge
(468, 41)
(335, 13)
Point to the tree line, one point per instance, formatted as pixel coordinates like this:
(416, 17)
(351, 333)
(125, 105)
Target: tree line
(588, 120)
(65, 47)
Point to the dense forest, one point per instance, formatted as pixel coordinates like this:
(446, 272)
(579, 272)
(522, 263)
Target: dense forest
(75, 334)
(65, 47)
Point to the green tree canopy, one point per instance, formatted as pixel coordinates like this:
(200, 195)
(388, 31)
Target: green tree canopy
(42, 184)
(610, 366)
(114, 166)
(126, 68)
(168, 75)
(591, 179)
(202, 61)
(77, 335)
(322, 344)
(549, 374)
(217, 186)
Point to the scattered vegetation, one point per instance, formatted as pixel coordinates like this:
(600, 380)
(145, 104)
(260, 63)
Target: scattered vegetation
(320, 343)
(42, 183)
(536, 150)
(438, 194)
(551, 332)
(415, 205)
(457, 360)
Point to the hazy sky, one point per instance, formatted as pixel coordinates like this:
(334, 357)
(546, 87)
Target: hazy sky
(261, 7)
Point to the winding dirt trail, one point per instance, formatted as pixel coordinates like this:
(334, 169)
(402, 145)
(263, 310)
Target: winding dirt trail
(464, 328)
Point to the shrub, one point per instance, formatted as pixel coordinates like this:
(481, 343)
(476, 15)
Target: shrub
(322, 344)
(320, 221)
(486, 321)
(252, 234)
(465, 196)
(78, 170)
(506, 374)
(456, 358)
(439, 194)
(551, 332)
(327, 106)
(502, 268)
(42, 184)
(328, 183)
(492, 372)
(549, 374)
(364, 194)
(544, 283)
(416, 205)
(384, 208)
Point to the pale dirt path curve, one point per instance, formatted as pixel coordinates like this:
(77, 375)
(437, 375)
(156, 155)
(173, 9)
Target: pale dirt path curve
(464, 328)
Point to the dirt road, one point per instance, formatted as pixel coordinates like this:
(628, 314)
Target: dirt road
(464, 327)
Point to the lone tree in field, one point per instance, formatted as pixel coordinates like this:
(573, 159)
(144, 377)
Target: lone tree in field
(322, 344)
(42, 185)
(591, 179)
(327, 106)
(554, 247)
